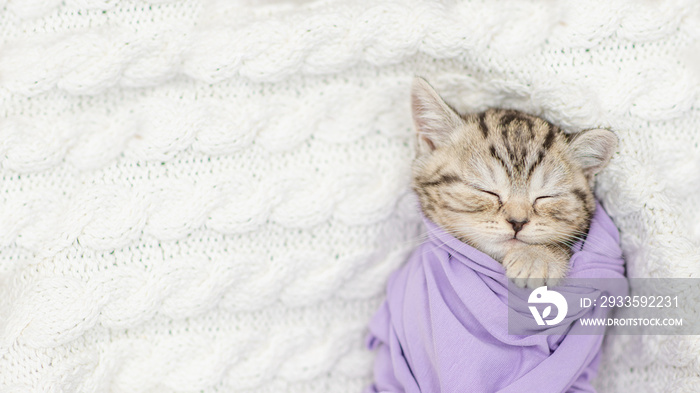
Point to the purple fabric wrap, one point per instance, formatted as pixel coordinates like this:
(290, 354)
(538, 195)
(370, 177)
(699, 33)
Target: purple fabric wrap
(444, 324)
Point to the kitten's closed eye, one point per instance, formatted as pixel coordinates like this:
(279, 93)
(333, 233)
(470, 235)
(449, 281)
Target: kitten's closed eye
(546, 197)
(490, 193)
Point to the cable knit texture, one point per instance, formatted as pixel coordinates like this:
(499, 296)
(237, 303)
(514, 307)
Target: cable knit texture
(210, 196)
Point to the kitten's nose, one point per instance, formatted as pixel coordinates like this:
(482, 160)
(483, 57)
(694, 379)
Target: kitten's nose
(517, 225)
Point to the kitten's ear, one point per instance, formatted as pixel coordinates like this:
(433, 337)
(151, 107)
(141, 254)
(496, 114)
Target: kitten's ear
(434, 119)
(592, 149)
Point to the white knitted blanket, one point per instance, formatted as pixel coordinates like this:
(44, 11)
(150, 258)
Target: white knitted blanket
(209, 197)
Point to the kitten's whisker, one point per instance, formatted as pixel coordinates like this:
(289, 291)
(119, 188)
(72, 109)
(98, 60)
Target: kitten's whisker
(583, 236)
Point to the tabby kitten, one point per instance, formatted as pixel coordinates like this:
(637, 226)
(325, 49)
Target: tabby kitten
(510, 184)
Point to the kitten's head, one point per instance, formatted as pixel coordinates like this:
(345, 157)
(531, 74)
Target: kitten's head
(501, 177)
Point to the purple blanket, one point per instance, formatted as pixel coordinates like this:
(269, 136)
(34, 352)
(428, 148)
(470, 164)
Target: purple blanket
(444, 324)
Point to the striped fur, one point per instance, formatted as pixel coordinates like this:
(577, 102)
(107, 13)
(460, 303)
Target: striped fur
(510, 184)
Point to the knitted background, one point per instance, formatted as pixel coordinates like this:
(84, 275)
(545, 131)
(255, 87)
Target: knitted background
(210, 196)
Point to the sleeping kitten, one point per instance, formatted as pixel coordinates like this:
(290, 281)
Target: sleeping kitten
(510, 184)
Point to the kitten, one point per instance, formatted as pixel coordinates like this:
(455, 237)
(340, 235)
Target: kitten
(510, 184)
